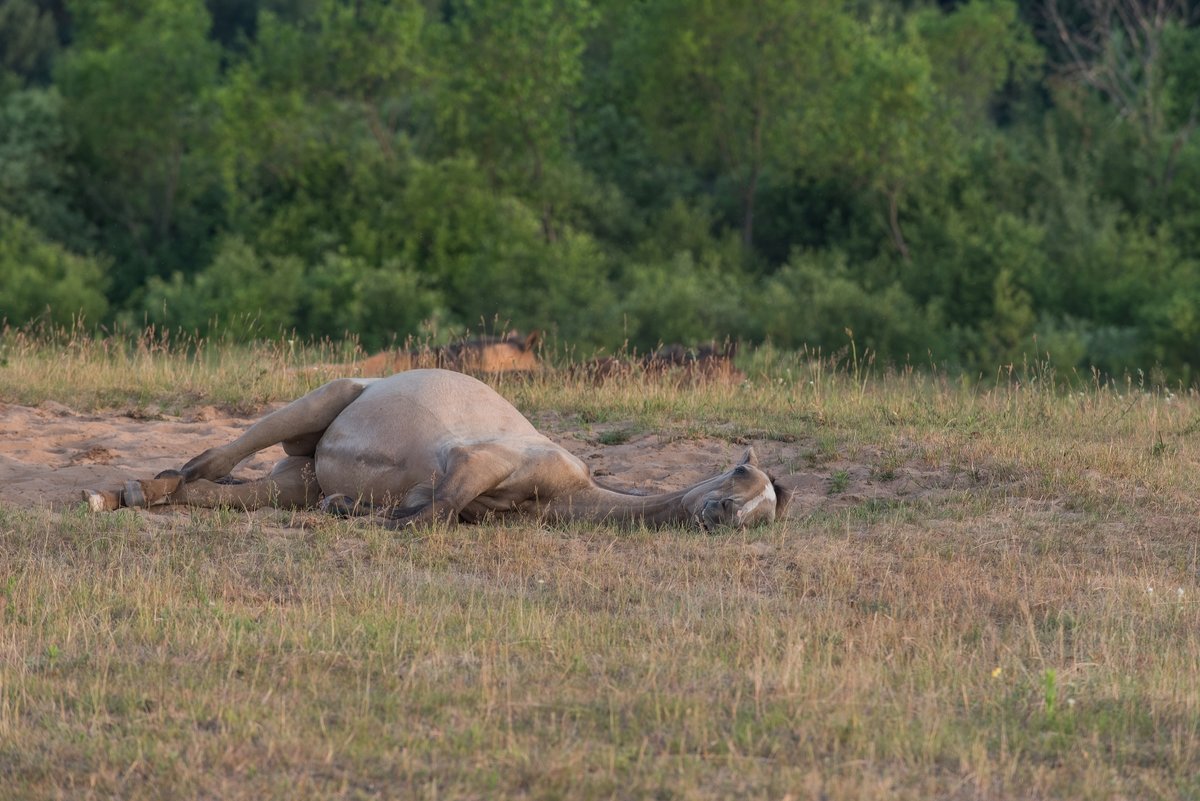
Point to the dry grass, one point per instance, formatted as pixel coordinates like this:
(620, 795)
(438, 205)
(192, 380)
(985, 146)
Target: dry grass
(1035, 636)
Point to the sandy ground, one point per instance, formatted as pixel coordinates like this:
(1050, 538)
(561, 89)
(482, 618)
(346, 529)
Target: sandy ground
(49, 453)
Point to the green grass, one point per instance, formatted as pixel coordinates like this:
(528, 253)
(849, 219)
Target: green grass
(1033, 633)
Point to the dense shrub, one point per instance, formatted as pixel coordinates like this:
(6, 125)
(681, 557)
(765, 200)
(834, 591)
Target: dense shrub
(241, 294)
(814, 301)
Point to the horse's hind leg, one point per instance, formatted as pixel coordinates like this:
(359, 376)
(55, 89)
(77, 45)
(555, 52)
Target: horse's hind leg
(291, 484)
(299, 426)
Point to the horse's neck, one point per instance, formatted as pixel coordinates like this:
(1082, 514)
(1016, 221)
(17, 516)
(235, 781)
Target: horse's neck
(599, 504)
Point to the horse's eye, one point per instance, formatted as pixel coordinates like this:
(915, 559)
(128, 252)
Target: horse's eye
(740, 470)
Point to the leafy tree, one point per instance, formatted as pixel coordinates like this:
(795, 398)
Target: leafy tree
(1140, 59)
(681, 301)
(970, 178)
(975, 52)
(245, 295)
(488, 254)
(513, 70)
(737, 87)
(39, 279)
(886, 132)
(313, 148)
(137, 85)
(28, 39)
(380, 304)
(36, 166)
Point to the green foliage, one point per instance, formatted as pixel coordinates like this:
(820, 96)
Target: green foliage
(815, 301)
(240, 294)
(975, 51)
(244, 295)
(685, 284)
(346, 296)
(35, 165)
(738, 87)
(944, 180)
(681, 301)
(137, 85)
(490, 255)
(514, 68)
(40, 279)
(980, 268)
(28, 39)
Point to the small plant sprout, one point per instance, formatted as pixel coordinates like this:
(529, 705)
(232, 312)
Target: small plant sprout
(1050, 690)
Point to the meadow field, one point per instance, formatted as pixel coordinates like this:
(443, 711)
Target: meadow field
(985, 589)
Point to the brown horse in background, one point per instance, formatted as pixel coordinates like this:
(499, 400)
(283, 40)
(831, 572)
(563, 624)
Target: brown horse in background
(513, 352)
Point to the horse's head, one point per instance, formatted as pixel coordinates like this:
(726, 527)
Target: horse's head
(744, 496)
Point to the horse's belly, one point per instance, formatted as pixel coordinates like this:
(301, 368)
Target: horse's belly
(381, 482)
(378, 470)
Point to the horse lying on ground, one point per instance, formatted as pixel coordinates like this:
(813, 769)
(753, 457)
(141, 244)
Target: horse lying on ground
(434, 446)
(709, 363)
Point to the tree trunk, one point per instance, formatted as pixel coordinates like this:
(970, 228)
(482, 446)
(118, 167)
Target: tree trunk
(748, 195)
(893, 198)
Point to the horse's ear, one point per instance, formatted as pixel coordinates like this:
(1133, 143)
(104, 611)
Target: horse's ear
(532, 340)
(783, 496)
(749, 457)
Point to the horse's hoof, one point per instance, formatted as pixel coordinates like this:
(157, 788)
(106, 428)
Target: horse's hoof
(101, 501)
(134, 496)
(170, 474)
(339, 505)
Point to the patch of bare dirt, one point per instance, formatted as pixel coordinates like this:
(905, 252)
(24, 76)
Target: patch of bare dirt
(50, 453)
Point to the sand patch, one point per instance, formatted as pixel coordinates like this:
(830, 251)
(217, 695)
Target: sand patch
(50, 453)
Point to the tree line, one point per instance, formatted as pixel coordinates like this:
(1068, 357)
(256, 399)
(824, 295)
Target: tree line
(967, 183)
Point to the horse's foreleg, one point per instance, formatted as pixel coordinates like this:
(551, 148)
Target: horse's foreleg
(470, 472)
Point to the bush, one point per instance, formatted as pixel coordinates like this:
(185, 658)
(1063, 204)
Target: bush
(814, 301)
(345, 294)
(244, 295)
(682, 301)
(241, 294)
